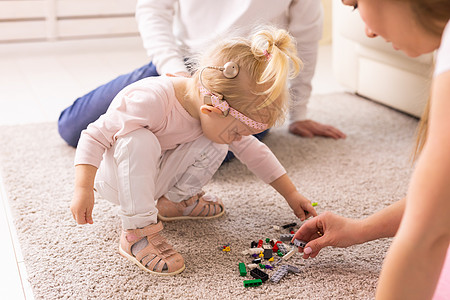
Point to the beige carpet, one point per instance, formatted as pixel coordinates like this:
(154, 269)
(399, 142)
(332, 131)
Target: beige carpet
(353, 177)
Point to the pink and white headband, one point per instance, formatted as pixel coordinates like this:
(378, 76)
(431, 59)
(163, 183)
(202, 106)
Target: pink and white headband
(226, 109)
(230, 70)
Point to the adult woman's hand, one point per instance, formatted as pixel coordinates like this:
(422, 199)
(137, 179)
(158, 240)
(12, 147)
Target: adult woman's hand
(327, 229)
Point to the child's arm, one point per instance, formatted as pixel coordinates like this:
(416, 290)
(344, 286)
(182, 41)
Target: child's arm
(296, 201)
(83, 199)
(264, 164)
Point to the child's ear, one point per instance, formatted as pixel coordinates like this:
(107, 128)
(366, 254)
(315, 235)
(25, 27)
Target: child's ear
(206, 109)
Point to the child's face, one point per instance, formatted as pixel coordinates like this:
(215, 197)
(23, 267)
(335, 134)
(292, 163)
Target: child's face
(224, 130)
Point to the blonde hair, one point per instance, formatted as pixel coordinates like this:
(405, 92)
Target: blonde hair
(266, 60)
(432, 15)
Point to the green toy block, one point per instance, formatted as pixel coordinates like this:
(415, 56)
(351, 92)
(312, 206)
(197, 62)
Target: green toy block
(254, 282)
(242, 269)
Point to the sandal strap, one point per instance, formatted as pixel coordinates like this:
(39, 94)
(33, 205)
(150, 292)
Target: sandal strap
(204, 207)
(193, 199)
(148, 258)
(149, 230)
(158, 246)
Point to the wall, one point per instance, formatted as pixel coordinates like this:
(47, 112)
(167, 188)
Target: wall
(50, 20)
(327, 23)
(40, 20)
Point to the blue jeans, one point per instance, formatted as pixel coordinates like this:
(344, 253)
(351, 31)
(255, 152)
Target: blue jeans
(91, 106)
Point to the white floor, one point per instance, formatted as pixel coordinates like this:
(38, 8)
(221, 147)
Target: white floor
(37, 81)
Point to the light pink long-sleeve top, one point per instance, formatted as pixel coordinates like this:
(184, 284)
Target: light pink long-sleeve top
(151, 103)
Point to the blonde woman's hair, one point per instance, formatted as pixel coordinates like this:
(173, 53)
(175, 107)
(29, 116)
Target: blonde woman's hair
(267, 60)
(432, 15)
(422, 131)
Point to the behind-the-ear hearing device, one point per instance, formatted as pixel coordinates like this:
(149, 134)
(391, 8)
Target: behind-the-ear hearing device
(230, 70)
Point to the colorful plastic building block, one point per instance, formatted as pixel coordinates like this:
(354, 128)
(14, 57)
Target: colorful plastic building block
(253, 244)
(242, 269)
(277, 262)
(258, 274)
(260, 243)
(293, 269)
(289, 225)
(268, 253)
(314, 204)
(276, 277)
(255, 250)
(299, 243)
(286, 237)
(276, 227)
(289, 254)
(282, 248)
(256, 261)
(254, 282)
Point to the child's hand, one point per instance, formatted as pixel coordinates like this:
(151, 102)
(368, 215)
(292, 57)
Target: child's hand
(301, 206)
(82, 205)
(296, 201)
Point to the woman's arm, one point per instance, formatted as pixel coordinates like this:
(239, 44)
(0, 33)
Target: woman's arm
(412, 267)
(343, 232)
(155, 21)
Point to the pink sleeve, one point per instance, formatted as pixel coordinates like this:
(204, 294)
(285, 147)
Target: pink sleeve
(128, 112)
(258, 158)
(442, 291)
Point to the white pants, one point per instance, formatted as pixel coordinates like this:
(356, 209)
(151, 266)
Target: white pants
(135, 172)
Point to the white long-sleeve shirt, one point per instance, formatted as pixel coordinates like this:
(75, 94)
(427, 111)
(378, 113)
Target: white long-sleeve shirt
(151, 103)
(172, 30)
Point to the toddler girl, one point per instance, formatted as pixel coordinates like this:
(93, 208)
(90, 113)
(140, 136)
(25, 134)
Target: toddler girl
(163, 138)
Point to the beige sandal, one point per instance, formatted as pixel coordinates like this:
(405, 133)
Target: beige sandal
(150, 251)
(200, 206)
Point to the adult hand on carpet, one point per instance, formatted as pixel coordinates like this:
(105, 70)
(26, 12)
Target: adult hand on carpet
(325, 230)
(82, 205)
(310, 128)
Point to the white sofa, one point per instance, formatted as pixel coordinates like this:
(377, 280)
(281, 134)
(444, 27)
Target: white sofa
(373, 69)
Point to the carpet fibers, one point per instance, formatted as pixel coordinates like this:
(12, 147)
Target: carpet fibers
(353, 177)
